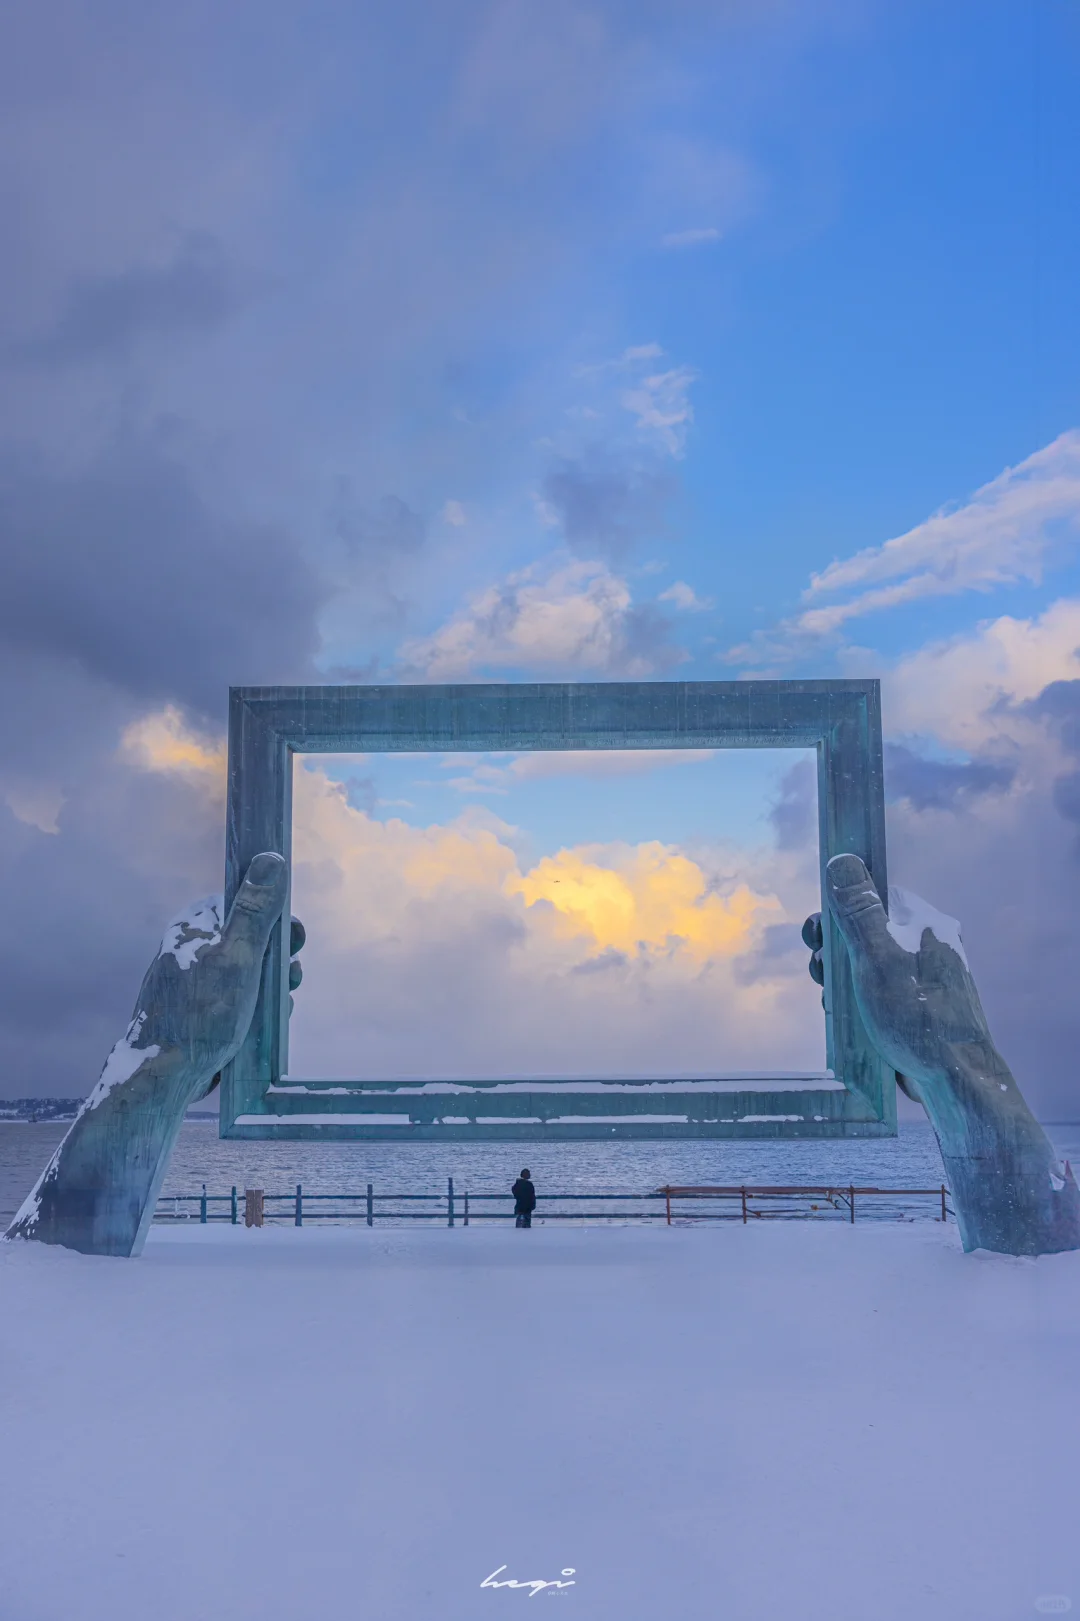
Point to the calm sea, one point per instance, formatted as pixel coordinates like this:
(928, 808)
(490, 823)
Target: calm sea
(910, 1160)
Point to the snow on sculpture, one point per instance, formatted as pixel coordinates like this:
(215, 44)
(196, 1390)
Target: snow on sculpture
(922, 1011)
(97, 1193)
(912, 983)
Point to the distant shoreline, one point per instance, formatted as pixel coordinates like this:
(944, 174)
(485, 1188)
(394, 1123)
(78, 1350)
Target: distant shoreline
(60, 1111)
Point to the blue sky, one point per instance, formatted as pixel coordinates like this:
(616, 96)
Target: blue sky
(591, 341)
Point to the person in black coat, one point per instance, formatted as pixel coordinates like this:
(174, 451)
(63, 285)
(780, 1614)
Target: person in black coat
(524, 1200)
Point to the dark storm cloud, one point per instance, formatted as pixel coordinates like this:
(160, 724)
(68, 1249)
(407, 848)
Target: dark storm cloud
(647, 642)
(1058, 706)
(104, 315)
(794, 811)
(84, 913)
(780, 942)
(386, 529)
(607, 507)
(942, 784)
(125, 568)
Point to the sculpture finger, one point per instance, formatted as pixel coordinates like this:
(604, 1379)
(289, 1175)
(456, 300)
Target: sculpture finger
(856, 906)
(257, 906)
(297, 936)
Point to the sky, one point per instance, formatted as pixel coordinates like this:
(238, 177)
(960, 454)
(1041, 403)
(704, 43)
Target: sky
(493, 341)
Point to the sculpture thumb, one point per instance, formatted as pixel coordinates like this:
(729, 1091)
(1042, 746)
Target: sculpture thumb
(856, 905)
(258, 905)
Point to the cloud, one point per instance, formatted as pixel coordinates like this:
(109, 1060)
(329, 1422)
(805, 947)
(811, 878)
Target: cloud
(548, 619)
(640, 898)
(607, 505)
(794, 813)
(1002, 535)
(930, 784)
(1058, 705)
(1007, 532)
(193, 291)
(683, 596)
(958, 689)
(164, 741)
(125, 567)
(37, 804)
(595, 958)
(660, 405)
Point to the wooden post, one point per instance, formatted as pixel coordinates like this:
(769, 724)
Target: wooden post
(450, 1205)
(370, 1204)
(253, 1207)
(299, 1205)
(202, 1205)
(851, 1192)
(466, 1207)
(743, 1209)
(944, 1209)
(234, 1209)
(667, 1200)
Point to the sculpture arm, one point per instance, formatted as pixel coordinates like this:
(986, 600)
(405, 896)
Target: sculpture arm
(922, 1012)
(98, 1192)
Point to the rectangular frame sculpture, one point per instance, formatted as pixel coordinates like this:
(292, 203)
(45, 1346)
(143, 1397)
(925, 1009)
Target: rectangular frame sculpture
(841, 720)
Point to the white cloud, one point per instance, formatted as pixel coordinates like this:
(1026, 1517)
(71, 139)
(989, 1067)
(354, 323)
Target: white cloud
(690, 239)
(453, 513)
(660, 405)
(999, 536)
(163, 741)
(681, 595)
(960, 690)
(1005, 533)
(596, 957)
(36, 804)
(550, 617)
(658, 400)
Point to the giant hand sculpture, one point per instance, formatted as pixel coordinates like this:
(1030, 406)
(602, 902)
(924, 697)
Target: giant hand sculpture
(922, 1012)
(98, 1192)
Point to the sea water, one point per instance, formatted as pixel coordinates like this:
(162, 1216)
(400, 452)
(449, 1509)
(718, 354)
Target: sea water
(909, 1160)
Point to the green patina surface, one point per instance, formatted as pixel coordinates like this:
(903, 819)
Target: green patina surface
(841, 720)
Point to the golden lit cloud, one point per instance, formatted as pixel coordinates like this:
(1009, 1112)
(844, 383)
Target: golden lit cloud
(608, 897)
(163, 741)
(437, 950)
(644, 896)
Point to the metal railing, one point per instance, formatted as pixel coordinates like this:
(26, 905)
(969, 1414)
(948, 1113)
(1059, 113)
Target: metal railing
(773, 1201)
(670, 1204)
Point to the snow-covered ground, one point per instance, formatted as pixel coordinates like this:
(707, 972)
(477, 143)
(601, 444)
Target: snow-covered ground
(813, 1423)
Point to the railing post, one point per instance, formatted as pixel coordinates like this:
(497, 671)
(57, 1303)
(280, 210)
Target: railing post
(235, 1213)
(851, 1192)
(202, 1205)
(944, 1211)
(743, 1212)
(299, 1206)
(466, 1207)
(370, 1204)
(667, 1201)
(449, 1201)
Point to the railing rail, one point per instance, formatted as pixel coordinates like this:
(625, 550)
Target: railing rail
(671, 1204)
